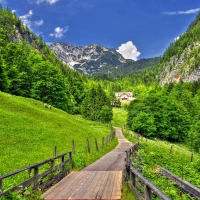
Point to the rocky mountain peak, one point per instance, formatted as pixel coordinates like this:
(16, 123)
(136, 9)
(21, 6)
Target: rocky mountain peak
(87, 59)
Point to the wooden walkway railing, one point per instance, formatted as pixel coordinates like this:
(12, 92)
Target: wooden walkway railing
(44, 173)
(129, 153)
(137, 181)
(182, 184)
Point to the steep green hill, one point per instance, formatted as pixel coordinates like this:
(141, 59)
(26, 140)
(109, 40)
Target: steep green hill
(29, 68)
(29, 132)
(182, 59)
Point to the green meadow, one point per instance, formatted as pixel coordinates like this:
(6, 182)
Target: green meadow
(29, 132)
(175, 157)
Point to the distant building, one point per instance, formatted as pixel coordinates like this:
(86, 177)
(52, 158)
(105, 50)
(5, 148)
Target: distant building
(124, 96)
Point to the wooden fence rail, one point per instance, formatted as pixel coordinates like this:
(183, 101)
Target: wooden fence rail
(129, 153)
(54, 170)
(45, 173)
(182, 184)
(146, 185)
(137, 182)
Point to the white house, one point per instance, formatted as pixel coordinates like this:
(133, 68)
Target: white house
(124, 96)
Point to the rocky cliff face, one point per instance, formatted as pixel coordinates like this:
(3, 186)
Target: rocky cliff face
(87, 59)
(185, 67)
(181, 61)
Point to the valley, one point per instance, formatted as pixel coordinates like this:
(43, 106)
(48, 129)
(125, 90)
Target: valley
(53, 95)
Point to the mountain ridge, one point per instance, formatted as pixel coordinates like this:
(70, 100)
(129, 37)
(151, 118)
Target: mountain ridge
(96, 59)
(86, 59)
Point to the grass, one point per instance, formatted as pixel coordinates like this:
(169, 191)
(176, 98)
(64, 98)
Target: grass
(120, 117)
(158, 152)
(127, 193)
(29, 132)
(178, 162)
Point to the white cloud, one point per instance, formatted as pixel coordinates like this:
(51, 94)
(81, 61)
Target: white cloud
(14, 11)
(129, 51)
(192, 11)
(59, 32)
(38, 23)
(26, 20)
(44, 1)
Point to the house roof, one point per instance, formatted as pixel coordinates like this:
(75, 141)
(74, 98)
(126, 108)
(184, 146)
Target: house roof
(118, 94)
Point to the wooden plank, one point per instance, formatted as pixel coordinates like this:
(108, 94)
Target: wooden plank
(109, 186)
(87, 187)
(51, 193)
(99, 182)
(92, 188)
(116, 192)
(82, 186)
(103, 185)
(72, 186)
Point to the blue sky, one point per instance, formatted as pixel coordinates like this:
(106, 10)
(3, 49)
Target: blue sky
(136, 28)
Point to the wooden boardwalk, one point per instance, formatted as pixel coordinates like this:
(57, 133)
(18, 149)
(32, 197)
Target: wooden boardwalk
(85, 185)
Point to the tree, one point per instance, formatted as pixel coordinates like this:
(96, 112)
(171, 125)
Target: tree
(3, 77)
(48, 85)
(96, 105)
(106, 114)
(143, 123)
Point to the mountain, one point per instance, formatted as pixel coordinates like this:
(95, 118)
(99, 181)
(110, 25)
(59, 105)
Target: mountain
(181, 61)
(95, 59)
(87, 59)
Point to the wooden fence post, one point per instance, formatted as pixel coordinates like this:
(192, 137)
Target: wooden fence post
(171, 149)
(73, 147)
(147, 192)
(63, 160)
(1, 186)
(106, 140)
(88, 145)
(35, 183)
(97, 148)
(102, 142)
(113, 135)
(55, 148)
(70, 158)
(191, 159)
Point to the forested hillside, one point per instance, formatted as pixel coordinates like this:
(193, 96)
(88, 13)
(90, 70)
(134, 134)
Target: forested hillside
(182, 59)
(29, 68)
(169, 107)
(130, 67)
(169, 111)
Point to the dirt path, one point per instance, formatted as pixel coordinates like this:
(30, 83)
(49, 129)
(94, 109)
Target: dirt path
(114, 160)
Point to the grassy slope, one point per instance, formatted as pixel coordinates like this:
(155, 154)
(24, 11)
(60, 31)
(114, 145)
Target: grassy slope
(120, 117)
(158, 152)
(29, 132)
